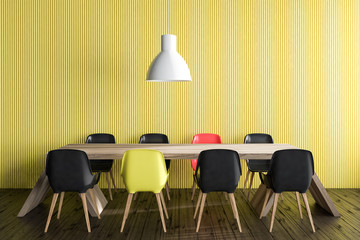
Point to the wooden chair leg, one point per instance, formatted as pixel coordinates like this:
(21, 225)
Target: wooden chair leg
(126, 212)
(251, 181)
(198, 203)
(232, 208)
(83, 199)
(299, 204)
(109, 186)
(274, 211)
(201, 210)
(91, 191)
(193, 190)
(308, 211)
(235, 211)
(167, 190)
(246, 179)
(268, 191)
(161, 211)
(113, 180)
(163, 204)
(60, 204)
(135, 196)
(52, 207)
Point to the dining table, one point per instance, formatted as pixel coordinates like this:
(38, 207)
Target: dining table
(180, 152)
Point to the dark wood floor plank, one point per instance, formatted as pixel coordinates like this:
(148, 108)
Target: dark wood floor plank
(349, 223)
(110, 226)
(249, 219)
(289, 217)
(144, 220)
(325, 226)
(137, 216)
(323, 231)
(252, 227)
(220, 223)
(8, 219)
(187, 224)
(172, 223)
(228, 213)
(350, 200)
(153, 221)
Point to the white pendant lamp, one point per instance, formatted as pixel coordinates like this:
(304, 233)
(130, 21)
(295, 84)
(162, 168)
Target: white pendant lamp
(168, 66)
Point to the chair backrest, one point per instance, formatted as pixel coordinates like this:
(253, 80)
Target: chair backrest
(291, 170)
(220, 170)
(103, 165)
(154, 138)
(258, 138)
(68, 170)
(204, 138)
(144, 170)
(100, 138)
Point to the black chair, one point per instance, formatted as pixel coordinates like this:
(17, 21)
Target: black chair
(256, 165)
(157, 138)
(69, 171)
(291, 171)
(217, 170)
(103, 165)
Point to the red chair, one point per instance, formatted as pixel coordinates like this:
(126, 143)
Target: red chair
(202, 138)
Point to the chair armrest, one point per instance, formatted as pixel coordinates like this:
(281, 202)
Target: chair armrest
(196, 172)
(97, 177)
(266, 180)
(262, 176)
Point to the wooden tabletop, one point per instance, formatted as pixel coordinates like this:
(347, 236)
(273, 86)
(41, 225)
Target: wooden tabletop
(179, 151)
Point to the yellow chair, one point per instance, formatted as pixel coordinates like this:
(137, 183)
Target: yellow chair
(144, 170)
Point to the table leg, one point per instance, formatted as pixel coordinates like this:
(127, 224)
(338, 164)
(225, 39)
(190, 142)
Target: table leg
(42, 186)
(100, 199)
(36, 195)
(316, 189)
(258, 200)
(321, 196)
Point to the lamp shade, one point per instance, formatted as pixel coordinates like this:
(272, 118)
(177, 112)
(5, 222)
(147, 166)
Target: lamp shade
(168, 66)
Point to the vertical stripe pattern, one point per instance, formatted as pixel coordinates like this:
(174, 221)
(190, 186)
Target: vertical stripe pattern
(289, 68)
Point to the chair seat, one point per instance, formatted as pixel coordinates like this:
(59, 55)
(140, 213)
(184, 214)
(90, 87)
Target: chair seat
(101, 165)
(258, 165)
(265, 180)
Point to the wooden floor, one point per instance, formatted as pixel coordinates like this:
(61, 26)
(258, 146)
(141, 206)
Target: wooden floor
(144, 220)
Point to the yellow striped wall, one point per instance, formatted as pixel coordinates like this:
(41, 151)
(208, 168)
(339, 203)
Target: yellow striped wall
(70, 68)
